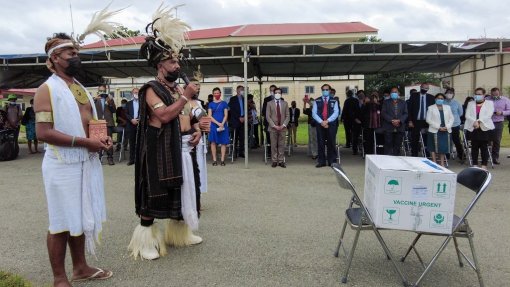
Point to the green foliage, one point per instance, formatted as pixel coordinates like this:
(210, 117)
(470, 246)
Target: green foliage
(12, 280)
(383, 81)
(124, 32)
(371, 39)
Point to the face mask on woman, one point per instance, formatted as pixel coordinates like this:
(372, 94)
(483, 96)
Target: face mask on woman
(449, 96)
(439, 102)
(394, 96)
(479, 98)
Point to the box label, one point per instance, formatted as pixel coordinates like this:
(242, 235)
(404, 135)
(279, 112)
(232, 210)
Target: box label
(438, 219)
(442, 189)
(393, 185)
(391, 215)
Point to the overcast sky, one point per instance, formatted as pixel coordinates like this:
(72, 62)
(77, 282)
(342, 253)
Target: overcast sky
(25, 24)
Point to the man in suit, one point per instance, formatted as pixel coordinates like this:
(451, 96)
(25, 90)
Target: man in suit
(105, 107)
(264, 107)
(351, 107)
(277, 115)
(293, 123)
(236, 119)
(393, 117)
(325, 112)
(133, 108)
(417, 106)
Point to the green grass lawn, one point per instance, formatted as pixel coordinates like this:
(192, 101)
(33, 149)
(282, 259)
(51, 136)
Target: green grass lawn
(12, 280)
(302, 135)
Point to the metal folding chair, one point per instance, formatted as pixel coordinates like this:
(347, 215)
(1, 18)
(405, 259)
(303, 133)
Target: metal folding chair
(232, 145)
(359, 219)
(477, 180)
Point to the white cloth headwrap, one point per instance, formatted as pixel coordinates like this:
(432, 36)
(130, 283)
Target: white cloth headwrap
(67, 119)
(67, 44)
(188, 193)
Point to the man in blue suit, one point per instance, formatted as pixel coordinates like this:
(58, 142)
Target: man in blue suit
(325, 112)
(236, 119)
(132, 107)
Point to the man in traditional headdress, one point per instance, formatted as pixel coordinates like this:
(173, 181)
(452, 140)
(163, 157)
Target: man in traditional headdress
(166, 174)
(72, 173)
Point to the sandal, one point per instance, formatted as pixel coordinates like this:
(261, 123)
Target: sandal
(222, 163)
(99, 275)
(214, 163)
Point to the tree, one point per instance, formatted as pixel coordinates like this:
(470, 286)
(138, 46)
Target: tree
(385, 81)
(124, 32)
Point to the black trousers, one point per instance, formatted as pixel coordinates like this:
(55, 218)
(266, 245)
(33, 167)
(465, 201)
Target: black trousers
(239, 140)
(348, 133)
(326, 137)
(497, 134)
(393, 142)
(479, 146)
(131, 133)
(355, 133)
(456, 142)
(415, 137)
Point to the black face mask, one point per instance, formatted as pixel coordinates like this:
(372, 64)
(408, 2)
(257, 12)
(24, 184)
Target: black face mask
(172, 76)
(423, 91)
(73, 67)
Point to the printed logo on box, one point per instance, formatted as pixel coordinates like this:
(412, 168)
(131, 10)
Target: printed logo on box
(441, 189)
(391, 215)
(393, 185)
(438, 219)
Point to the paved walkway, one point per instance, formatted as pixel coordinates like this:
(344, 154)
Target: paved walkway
(261, 226)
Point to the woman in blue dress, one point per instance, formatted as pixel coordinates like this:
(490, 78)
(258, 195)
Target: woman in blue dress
(218, 111)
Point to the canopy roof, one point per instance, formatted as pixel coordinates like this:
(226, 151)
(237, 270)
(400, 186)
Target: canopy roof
(285, 60)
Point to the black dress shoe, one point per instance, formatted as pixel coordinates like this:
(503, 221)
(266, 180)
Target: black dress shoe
(496, 161)
(130, 163)
(241, 155)
(274, 164)
(110, 161)
(320, 165)
(282, 164)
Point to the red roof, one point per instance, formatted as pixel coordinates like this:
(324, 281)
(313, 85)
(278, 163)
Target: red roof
(252, 30)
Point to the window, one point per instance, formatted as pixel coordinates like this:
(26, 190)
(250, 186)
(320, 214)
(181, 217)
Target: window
(285, 90)
(309, 90)
(127, 95)
(227, 93)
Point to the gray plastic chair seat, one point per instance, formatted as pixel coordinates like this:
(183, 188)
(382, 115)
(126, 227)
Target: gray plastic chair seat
(354, 215)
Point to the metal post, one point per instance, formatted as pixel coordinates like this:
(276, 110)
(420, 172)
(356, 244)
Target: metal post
(245, 62)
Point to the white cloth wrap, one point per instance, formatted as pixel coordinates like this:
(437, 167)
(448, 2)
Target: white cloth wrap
(202, 163)
(188, 193)
(73, 177)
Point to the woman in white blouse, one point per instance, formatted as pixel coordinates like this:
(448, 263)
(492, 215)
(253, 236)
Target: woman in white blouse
(479, 124)
(440, 120)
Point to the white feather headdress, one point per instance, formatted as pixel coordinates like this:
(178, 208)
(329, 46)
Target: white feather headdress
(169, 29)
(101, 25)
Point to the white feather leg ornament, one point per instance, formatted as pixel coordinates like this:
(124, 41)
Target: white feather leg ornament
(101, 25)
(169, 29)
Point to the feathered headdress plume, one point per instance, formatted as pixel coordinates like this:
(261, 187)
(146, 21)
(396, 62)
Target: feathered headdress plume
(166, 35)
(100, 25)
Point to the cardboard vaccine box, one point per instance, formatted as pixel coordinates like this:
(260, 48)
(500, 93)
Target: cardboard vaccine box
(409, 193)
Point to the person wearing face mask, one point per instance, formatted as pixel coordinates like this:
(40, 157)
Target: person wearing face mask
(14, 116)
(236, 120)
(219, 134)
(394, 115)
(325, 111)
(122, 121)
(418, 105)
(312, 130)
(167, 182)
(105, 107)
(479, 124)
(28, 121)
(440, 120)
(263, 113)
(132, 111)
(293, 123)
(501, 110)
(277, 115)
(457, 112)
(348, 116)
(71, 170)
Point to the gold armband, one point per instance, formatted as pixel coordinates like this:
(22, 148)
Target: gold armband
(44, 117)
(158, 105)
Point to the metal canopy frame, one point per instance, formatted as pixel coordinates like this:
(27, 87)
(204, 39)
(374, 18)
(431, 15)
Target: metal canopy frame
(275, 60)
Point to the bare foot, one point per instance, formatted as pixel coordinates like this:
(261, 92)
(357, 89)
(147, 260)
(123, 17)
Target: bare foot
(61, 283)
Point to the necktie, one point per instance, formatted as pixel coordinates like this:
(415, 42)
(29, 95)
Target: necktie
(422, 107)
(278, 113)
(325, 109)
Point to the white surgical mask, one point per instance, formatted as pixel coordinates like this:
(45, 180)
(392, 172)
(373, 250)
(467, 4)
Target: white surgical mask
(449, 96)
(277, 96)
(135, 96)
